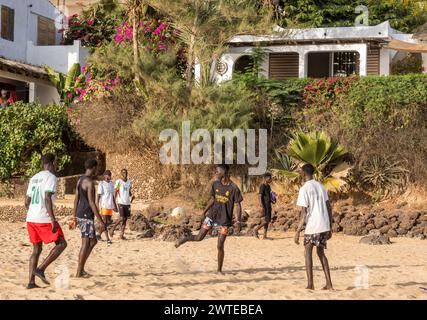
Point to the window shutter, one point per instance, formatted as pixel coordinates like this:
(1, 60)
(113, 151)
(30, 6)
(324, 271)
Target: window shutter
(46, 31)
(283, 65)
(11, 24)
(4, 17)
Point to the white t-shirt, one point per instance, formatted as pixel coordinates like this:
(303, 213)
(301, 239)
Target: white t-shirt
(313, 196)
(106, 191)
(42, 182)
(123, 196)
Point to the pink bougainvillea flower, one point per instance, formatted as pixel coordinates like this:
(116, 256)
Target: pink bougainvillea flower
(129, 33)
(118, 38)
(69, 95)
(90, 22)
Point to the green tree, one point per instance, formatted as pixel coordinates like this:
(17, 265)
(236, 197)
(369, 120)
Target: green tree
(28, 130)
(205, 26)
(404, 15)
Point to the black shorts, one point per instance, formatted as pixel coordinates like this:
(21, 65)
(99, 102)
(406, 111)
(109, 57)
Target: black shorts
(124, 210)
(267, 214)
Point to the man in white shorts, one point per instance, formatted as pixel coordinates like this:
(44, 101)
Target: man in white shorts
(316, 213)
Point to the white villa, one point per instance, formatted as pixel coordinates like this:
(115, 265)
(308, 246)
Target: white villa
(322, 52)
(29, 39)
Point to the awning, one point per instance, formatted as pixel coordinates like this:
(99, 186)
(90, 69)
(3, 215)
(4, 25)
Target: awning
(23, 69)
(407, 46)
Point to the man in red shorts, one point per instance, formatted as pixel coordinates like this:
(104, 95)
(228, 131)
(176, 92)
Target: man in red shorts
(219, 211)
(41, 223)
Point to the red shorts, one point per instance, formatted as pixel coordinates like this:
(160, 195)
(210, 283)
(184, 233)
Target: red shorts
(39, 232)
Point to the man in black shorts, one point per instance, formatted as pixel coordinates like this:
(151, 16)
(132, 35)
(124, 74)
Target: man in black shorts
(84, 214)
(265, 201)
(219, 211)
(124, 198)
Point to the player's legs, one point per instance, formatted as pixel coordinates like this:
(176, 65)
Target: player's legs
(34, 260)
(309, 265)
(220, 246)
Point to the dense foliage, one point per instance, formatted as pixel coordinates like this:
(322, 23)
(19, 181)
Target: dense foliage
(28, 130)
(404, 15)
(95, 26)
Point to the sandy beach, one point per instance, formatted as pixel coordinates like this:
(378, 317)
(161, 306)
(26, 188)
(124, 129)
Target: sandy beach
(254, 269)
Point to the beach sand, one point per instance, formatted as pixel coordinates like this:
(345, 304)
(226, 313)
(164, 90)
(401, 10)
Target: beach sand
(254, 269)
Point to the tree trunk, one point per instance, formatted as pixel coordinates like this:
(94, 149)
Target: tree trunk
(135, 43)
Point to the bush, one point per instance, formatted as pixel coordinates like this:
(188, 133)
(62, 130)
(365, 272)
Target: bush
(29, 130)
(384, 116)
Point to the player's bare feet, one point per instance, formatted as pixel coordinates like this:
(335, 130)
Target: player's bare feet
(310, 287)
(328, 287)
(180, 242)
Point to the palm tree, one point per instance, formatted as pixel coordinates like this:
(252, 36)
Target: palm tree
(326, 156)
(136, 10)
(205, 26)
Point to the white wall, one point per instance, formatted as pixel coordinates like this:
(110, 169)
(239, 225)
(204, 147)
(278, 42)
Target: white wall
(25, 26)
(46, 94)
(60, 58)
(235, 53)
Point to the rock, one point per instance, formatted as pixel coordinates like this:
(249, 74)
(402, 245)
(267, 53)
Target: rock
(385, 229)
(172, 232)
(336, 227)
(369, 227)
(139, 223)
(414, 215)
(401, 231)
(375, 240)
(149, 233)
(392, 233)
(154, 211)
(406, 223)
(379, 222)
(391, 214)
(395, 225)
(417, 231)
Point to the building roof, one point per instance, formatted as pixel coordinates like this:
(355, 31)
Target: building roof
(381, 32)
(23, 69)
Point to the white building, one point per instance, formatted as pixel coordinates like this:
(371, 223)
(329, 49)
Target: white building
(322, 52)
(30, 39)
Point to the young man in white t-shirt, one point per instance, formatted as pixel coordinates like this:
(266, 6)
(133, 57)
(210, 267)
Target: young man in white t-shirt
(41, 223)
(106, 200)
(316, 213)
(124, 198)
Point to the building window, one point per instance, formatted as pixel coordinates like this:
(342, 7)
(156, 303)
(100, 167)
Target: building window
(7, 23)
(345, 64)
(46, 32)
(244, 64)
(332, 64)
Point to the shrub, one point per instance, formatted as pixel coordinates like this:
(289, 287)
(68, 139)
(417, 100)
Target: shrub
(29, 130)
(383, 177)
(410, 64)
